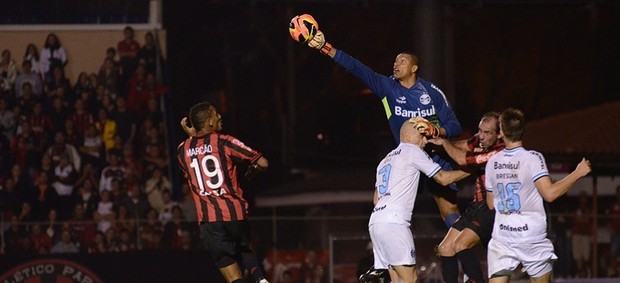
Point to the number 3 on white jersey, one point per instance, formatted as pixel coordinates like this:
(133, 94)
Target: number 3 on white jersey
(216, 172)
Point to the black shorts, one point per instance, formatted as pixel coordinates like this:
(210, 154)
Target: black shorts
(479, 218)
(226, 240)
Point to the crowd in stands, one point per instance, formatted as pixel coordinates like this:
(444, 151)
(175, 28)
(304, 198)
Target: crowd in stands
(83, 165)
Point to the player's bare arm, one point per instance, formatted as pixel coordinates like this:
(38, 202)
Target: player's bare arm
(445, 178)
(457, 150)
(189, 130)
(490, 201)
(551, 191)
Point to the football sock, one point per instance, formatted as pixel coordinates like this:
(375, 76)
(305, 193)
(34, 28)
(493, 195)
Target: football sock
(449, 269)
(251, 264)
(471, 265)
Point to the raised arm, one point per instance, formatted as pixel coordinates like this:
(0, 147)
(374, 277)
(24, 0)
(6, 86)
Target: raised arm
(550, 191)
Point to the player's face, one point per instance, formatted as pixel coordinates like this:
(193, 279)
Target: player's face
(403, 66)
(216, 119)
(487, 133)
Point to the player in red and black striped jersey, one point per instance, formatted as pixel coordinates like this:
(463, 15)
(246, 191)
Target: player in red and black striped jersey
(209, 161)
(476, 224)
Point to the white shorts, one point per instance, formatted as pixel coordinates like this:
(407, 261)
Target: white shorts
(537, 258)
(392, 245)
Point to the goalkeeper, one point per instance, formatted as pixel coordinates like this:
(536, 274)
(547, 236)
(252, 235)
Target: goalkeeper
(405, 95)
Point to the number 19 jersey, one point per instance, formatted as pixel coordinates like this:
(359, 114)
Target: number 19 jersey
(398, 176)
(519, 208)
(210, 163)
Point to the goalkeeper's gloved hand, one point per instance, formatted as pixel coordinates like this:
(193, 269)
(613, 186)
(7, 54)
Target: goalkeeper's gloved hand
(319, 42)
(425, 127)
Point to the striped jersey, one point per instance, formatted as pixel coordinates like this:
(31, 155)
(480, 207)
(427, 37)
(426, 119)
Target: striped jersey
(477, 156)
(209, 164)
(398, 176)
(519, 208)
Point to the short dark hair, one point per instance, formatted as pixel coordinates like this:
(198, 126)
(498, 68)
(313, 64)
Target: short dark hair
(199, 114)
(512, 123)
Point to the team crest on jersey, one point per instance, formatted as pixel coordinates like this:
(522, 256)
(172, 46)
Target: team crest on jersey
(425, 99)
(401, 100)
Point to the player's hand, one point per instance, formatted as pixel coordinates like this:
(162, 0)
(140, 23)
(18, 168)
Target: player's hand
(189, 130)
(252, 171)
(437, 141)
(425, 127)
(318, 42)
(584, 167)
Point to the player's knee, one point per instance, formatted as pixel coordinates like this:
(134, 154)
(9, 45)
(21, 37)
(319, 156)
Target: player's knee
(460, 246)
(224, 261)
(446, 249)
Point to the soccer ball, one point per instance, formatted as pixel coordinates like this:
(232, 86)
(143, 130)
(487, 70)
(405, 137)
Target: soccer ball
(303, 28)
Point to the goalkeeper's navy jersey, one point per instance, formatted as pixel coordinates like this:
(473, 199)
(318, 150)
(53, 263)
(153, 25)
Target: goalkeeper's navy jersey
(400, 103)
(210, 163)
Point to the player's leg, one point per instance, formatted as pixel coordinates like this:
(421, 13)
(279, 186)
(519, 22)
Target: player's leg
(222, 247)
(545, 278)
(447, 204)
(463, 246)
(449, 262)
(499, 279)
(241, 231)
(404, 274)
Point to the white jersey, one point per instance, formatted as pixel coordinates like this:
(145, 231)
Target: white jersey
(519, 208)
(398, 176)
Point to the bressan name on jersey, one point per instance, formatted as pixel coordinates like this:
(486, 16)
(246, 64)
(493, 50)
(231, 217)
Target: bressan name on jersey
(199, 150)
(414, 113)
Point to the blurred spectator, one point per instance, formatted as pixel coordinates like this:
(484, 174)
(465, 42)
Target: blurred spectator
(72, 137)
(83, 227)
(581, 235)
(126, 122)
(81, 117)
(186, 202)
(7, 120)
(59, 113)
(108, 76)
(52, 55)
(155, 158)
(132, 163)
(92, 149)
(25, 214)
(614, 226)
(85, 90)
(65, 245)
(87, 194)
(24, 146)
(151, 231)
(41, 241)
(41, 124)
(61, 148)
(58, 86)
(12, 237)
(26, 101)
(104, 214)
(135, 87)
(43, 197)
(27, 75)
(154, 189)
(52, 226)
(107, 129)
(147, 55)
(175, 228)
(32, 55)
(165, 213)
(126, 241)
(111, 53)
(154, 114)
(136, 203)
(123, 219)
(312, 271)
(10, 200)
(105, 100)
(98, 245)
(65, 176)
(127, 50)
(23, 184)
(114, 170)
(111, 238)
(8, 72)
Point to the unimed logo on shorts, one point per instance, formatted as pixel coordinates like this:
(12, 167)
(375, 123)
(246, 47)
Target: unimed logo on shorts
(49, 271)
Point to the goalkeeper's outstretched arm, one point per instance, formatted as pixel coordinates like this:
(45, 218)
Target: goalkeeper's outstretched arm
(320, 43)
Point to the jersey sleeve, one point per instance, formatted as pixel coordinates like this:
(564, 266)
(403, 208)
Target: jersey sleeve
(537, 166)
(445, 113)
(239, 152)
(379, 84)
(423, 162)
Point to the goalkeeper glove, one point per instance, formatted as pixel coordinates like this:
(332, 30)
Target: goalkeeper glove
(425, 127)
(319, 42)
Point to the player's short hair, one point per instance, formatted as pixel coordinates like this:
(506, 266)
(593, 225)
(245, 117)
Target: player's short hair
(199, 114)
(512, 123)
(414, 58)
(491, 115)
